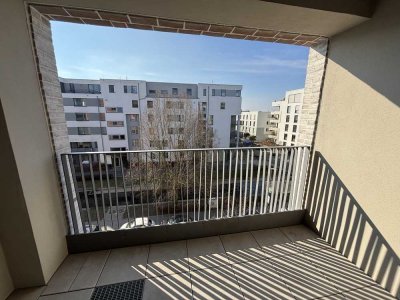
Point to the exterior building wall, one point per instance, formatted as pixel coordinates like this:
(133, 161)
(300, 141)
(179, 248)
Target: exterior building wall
(142, 93)
(288, 112)
(354, 190)
(255, 123)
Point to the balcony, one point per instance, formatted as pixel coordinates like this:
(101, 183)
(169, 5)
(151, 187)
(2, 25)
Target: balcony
(281, 263)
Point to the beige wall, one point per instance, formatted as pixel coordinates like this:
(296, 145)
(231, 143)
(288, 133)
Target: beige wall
(6, 284)
(31, 203)
(355, 195)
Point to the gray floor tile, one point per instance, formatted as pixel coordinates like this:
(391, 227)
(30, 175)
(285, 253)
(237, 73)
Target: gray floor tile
(26, 294)
(242, 247)
(167, 258)
(215, 283)
(66, 274)
(124, 264)
(374, 292)
(206, 253)
(74, 295)
(259, 280)
(274, 242)
(340, 271)
(176, 286)
(303, 279)
(304, 238)
(90, 272)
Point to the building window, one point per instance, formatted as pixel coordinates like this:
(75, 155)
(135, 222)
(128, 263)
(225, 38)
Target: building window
(223, 93)
(132, 89)
(115, 123)
(152, 92)
(149, 104)
(94, 88)
(111, 88)
(79, 102)
(237, 93)
(204, 92)
(135, 103)
(175, 91)
(135, 143)
(285, 136)
(288, 110)
(293, 138)
(135, 130)
(213, 92)
(164, 92)
(297, 109)
(83, 130)
(286, 127)
(189, 92)
(81, 117)
(287, 118)
(296, 119)
(116, 137)
(211, 120)
(294, 128)
(222, 106)
(134, 117)
(114, 109)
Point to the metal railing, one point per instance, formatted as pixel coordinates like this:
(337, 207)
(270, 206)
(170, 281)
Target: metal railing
(131, 189)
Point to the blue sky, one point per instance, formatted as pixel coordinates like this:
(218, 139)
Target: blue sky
(265, 70)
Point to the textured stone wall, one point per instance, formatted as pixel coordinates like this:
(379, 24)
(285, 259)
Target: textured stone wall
(312, 92)
(51, 92)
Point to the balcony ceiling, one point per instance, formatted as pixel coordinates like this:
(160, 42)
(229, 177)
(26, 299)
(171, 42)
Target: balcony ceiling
(312, 17)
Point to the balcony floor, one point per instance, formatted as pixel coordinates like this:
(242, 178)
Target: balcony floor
(280, 263)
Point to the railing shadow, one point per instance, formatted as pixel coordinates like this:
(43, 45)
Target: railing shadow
(334, 212)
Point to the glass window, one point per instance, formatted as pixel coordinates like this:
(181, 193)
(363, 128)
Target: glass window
(211, 120)
(237, 93)
(81, 117)
(296, 119)
(222, 106)
(135, 103)
(111, 88)
(288, 110)
(223, 93)
(94, 88)
(204, 92)
(293, 138)
(152, 92)
(174, 91)
(79, 102)
(213, 92)
(189, 92)
(286, 127)
(135, 130)
(133, 89)
(149, 104)
(285, 136)
(287, 118)
(297, 109)
(294, 128)
(83, 130)
(164, 92)
(134, 117)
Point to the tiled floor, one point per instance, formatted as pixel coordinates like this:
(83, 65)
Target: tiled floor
(282, 263)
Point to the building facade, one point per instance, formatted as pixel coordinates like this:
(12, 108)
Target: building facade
(113, 115)
(255, 123)
(285, 118)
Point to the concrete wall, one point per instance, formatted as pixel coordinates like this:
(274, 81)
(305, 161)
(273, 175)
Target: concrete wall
(32, 219)
(354, 196)
(6, 284)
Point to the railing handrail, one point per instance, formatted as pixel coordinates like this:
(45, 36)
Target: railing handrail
(179, 150)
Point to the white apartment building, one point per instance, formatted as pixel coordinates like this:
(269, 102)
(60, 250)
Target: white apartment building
(285, 118)
(106, 114)
(255, 123)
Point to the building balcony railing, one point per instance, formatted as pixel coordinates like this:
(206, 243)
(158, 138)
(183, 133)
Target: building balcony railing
(109, 191)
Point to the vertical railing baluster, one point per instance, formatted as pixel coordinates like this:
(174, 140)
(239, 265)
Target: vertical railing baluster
(200, 179)
(294, 178)
(271, 200)
(94, 191)
(258, 179)
(140, 187)
(116, 188)
(124, 186)
(187, 186)
(262, 208)
(211, 183)
(251, 181)
(228, 214)
(85, 193)
(205, 184)
(73, 213)
(102, 192)
(147, 187)
(77, 192)
(194, 186)
(131, 179)
(109, 191)
(234, 183)
(217, 185)
(241, 182)
(223, 184)
(282, 180)
(267, 196)
(246, 182)
(302, 177)
(288, 179)
(276, 198)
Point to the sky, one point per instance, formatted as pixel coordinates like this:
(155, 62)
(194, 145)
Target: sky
(266, 70)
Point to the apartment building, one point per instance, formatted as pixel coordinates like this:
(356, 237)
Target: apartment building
(255, 123)
(285, 118)
(108, 114)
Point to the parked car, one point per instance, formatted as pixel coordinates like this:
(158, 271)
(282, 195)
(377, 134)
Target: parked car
(138, 222)
(179, 219)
